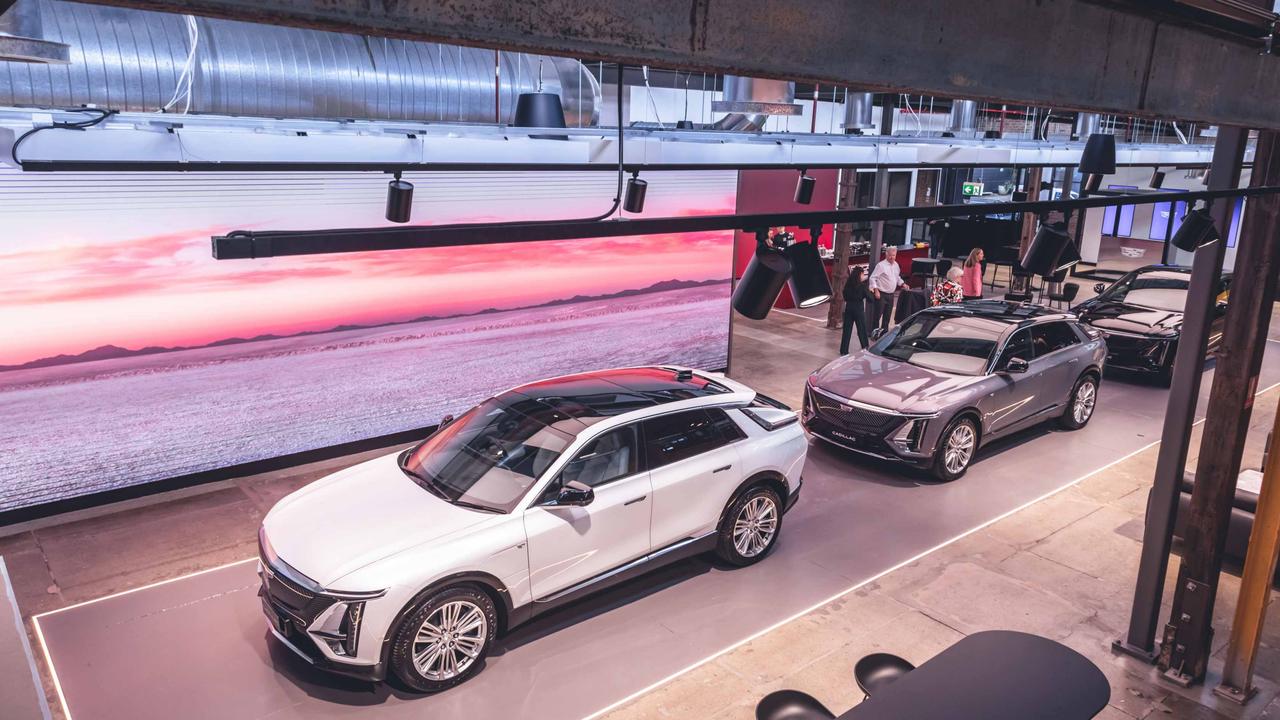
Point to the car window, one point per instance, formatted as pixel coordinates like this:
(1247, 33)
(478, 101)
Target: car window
(611, 456)
(671, 438)
(959, 344)
(1051, 337)
(729, 429)
(1153, 289)
(1019, 346)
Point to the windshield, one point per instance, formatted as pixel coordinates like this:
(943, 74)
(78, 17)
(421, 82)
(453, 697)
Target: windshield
(960, 344)
(489, 457)
(1153, 290)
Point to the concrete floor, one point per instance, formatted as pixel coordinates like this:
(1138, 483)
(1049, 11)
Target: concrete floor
(856, 520)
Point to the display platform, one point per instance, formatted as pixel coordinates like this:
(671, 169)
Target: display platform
(197, 647)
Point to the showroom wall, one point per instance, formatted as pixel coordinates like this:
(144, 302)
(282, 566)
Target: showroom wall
(132, 357)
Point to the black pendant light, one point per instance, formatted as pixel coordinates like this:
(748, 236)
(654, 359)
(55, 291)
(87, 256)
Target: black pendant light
(633, 201)
(1157, 179)
(761, 281)
(1045, 249)
(1099, 156)
(399, 200)
(804, 188)
(809, 283)
(1197, 229)
(540, 110)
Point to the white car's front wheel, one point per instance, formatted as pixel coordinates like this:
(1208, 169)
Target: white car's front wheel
(750, 527)
(445, 640)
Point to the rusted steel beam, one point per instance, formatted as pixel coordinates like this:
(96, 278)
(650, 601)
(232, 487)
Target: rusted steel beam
(1107, 57)
(1187, 641)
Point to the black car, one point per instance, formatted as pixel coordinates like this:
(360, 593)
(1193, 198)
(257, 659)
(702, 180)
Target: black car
(1141, 316)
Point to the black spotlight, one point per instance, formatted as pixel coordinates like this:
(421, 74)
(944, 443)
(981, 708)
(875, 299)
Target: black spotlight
(1099, 156)
(634, 199)
(761, 281)
(809, 283)
(1046, 248)
(539, 109)
(399, 200)
(1157, 179)
(1019, 195)
(1197, 229)
(804, 188)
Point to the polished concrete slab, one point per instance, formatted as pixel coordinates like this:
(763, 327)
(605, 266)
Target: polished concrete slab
(198, 648)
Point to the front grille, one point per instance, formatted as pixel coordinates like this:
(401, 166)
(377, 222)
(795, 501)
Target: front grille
(854, 420)
(291, 599)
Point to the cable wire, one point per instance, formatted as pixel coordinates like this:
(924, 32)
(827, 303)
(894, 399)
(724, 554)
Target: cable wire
(102, 114)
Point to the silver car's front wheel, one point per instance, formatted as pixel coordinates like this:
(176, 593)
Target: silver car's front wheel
(956, 449)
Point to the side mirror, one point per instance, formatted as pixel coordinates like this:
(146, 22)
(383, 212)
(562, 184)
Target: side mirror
(1100, 288)
(576, 494)
(1015, 365)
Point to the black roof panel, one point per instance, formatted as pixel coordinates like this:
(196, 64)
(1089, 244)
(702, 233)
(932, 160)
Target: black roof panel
(614, 392)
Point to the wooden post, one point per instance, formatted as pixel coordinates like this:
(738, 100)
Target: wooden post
(846, 199)
(1187, 638)
(1264, 540)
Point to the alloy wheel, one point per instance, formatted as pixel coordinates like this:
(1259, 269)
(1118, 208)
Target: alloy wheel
(1086, 397)
(959, 448)
(450, 640)
(755, 526)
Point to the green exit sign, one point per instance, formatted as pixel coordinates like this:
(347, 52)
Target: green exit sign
(971, 189)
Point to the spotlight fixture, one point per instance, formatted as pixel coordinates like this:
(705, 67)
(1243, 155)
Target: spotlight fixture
(636, 189)
(399, 200)
(1046, 248)
(763, 279)
(809, 283)
(1157, 179)
(1099, 156)
(804, 188)
(1197, 229)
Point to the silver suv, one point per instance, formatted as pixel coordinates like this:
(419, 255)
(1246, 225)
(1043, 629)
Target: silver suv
(952, 377)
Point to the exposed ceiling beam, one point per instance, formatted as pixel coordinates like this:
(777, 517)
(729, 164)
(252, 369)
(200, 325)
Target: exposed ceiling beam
(1079, 54)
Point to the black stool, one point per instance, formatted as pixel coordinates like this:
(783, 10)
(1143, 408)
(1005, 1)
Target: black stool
(873, 672)
(791, 705)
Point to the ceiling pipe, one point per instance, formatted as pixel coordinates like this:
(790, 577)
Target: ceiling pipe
(964, 117)
(857, 112)
(1086, 125)
(750, 101)
(22, 37)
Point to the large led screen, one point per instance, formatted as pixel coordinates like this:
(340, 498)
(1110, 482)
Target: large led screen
(129, 355)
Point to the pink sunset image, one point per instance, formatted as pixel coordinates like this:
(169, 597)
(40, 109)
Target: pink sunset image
(122, 332)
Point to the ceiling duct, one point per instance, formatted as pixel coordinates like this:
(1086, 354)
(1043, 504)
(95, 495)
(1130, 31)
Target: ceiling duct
(750, 102)
(22, 36)
(964, 117)
(133, 60)
(1087, 124)
(857, 111)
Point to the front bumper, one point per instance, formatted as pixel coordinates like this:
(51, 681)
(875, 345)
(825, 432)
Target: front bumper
(1139, 354)
(879, 434)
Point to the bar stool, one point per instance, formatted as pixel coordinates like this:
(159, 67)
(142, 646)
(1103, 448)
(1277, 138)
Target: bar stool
(877, 670)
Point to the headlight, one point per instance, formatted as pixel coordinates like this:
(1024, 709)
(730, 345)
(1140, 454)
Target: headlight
(339, 627)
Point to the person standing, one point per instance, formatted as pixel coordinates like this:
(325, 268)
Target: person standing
(886, 280)
(856, 296)
(948, 291)
(971, 276)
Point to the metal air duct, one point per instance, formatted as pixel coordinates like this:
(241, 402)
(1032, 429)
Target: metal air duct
(750, 102)
(964, 116)
(22, 36)
(132, 60)
(1087, 124)
(857, 111)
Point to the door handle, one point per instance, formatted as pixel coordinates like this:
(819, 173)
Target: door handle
(634, 501)
(721, 469)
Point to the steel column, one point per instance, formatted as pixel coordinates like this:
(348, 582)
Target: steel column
(1188, 368)
(1186, 644)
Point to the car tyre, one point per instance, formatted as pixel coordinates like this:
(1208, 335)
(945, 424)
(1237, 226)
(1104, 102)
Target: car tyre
(956, 447)
(1081, 403)
(750, 527)
(445, 639)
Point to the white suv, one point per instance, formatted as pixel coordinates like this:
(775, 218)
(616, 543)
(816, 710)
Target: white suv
(415, 561)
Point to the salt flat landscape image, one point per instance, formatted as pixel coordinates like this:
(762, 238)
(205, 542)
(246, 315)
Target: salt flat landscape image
(85, 427)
